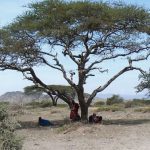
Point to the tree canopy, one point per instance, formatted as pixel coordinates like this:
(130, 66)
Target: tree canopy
(87, 33)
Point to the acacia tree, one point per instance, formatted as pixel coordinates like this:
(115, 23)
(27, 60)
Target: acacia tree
(55, 92)
(86, 33)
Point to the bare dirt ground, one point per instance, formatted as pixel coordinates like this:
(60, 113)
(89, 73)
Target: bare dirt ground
(127, 130)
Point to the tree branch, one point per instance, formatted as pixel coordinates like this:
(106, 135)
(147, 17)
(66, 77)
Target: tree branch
(101, 88)
(65, 74)
(89, 68)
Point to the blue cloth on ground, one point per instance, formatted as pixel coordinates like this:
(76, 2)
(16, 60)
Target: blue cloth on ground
(44, 122)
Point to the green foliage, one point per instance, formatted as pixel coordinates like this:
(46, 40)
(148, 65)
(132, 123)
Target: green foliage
(60, 21)
(8, 139)
(3, 113)
(45, 103)
(61, 18)
(81, 29)
(99, 103)
(63, 89)
(32, 89)
(18, 46)
(115, 99)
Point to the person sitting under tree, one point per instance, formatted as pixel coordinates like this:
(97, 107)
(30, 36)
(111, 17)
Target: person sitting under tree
(95, 119)
(44, 122)
(74, 116)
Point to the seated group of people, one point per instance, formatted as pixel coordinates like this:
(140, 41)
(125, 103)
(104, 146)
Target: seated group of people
(95, 119)
(74, 115)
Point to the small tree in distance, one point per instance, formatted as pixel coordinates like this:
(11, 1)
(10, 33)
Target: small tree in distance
(86, 33)
(115, 99)
(65, 93)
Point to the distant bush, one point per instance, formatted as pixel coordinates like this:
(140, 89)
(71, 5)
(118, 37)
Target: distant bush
(8, 139)
(99, 103)
(112, 108)
(46, 103)
(141, 101)
(137, 102)
(115, 99)
(144, 110)
(128, 104)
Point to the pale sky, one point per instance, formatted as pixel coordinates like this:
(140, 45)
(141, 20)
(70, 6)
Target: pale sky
(13, 81)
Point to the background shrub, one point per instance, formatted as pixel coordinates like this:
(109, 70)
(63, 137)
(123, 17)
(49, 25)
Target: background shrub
(115, 99)
(111, 108)
(99, 103)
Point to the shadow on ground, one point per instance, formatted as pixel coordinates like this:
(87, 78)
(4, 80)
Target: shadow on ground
(126, 121)
(60, 123)
(33, 124)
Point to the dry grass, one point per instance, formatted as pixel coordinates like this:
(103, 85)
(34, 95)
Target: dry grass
(143, 109)
(111, 108)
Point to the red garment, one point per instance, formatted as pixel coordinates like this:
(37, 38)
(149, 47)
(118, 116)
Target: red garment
(74, 111)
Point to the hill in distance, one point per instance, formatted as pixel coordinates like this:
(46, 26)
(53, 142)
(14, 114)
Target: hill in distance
(18, 96)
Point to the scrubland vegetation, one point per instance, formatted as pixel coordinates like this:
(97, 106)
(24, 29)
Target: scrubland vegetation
(116, 103)
(115, 111)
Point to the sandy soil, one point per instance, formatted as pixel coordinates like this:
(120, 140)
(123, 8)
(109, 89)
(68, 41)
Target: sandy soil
(126, 130)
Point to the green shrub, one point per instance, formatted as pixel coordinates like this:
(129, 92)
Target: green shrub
(99, 103)
(8, 139)
(3, 113)
(115, 99)
(46, 103)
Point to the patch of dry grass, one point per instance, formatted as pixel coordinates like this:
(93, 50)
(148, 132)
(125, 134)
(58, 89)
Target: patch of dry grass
(112, 108)
(143, 109)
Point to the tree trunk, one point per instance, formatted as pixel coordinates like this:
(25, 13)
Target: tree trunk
(84, 113)
(83, 106)
(52, 98)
